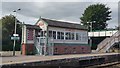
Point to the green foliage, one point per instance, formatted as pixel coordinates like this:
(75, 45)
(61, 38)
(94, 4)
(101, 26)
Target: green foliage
(98, 14)
(8, 23)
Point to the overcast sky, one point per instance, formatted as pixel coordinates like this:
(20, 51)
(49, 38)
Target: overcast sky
(65, 11)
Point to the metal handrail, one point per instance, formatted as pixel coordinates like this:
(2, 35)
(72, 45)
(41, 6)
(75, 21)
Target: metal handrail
(113, 39)
(108, 42)
(103, 42)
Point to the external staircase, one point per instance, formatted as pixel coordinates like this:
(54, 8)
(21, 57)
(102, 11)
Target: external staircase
(107, 43)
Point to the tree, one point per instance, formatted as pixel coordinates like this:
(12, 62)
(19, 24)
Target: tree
(98, 15)
(8, 23)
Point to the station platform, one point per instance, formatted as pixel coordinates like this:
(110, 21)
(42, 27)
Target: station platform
(14, 60)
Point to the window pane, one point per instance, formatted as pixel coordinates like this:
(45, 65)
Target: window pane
(80, 38)
(76, 36)
(66, 35)
(54, 34)
(69, 35)
(62, 35)
(50, 33)
(84, 37)
(72, 35)
(58, 35)
(41, 33)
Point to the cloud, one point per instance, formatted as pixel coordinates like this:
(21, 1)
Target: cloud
(60, 0)
(66, 11)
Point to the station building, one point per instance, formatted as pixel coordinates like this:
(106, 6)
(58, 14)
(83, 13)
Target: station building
(52, 37)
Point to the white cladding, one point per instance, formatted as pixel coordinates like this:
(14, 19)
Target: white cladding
(83, 35)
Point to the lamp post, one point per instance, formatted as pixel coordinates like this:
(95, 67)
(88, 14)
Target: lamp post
(15, 11)
(91, 33)
(119, 38)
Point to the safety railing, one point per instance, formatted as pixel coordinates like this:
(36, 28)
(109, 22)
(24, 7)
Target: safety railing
(102, 44)
(105, 45)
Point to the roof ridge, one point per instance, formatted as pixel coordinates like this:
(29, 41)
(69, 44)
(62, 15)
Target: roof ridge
(63, 24)
(60, 21)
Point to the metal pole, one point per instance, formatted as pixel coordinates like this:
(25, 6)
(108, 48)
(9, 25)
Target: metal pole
(91, 36)
(14, 39)
(15, 30)
(119, 38)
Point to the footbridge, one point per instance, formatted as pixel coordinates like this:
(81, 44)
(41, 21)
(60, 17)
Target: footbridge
(112, 37)
(109, 42)
(102, 33)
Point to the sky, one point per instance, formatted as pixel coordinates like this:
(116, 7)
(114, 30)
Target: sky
(70, 11)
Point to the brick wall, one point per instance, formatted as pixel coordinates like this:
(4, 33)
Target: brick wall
(28, 49)
(75, 49)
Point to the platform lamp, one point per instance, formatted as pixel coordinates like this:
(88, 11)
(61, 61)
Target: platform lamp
(15, 11)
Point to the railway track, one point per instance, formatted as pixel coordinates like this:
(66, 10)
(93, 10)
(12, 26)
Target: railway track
(107, 65)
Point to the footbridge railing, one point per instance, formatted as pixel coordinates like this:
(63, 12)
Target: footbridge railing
(107, 43)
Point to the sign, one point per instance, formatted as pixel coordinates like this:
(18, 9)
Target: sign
(15, 38)
(15, 35)
(42, 25)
